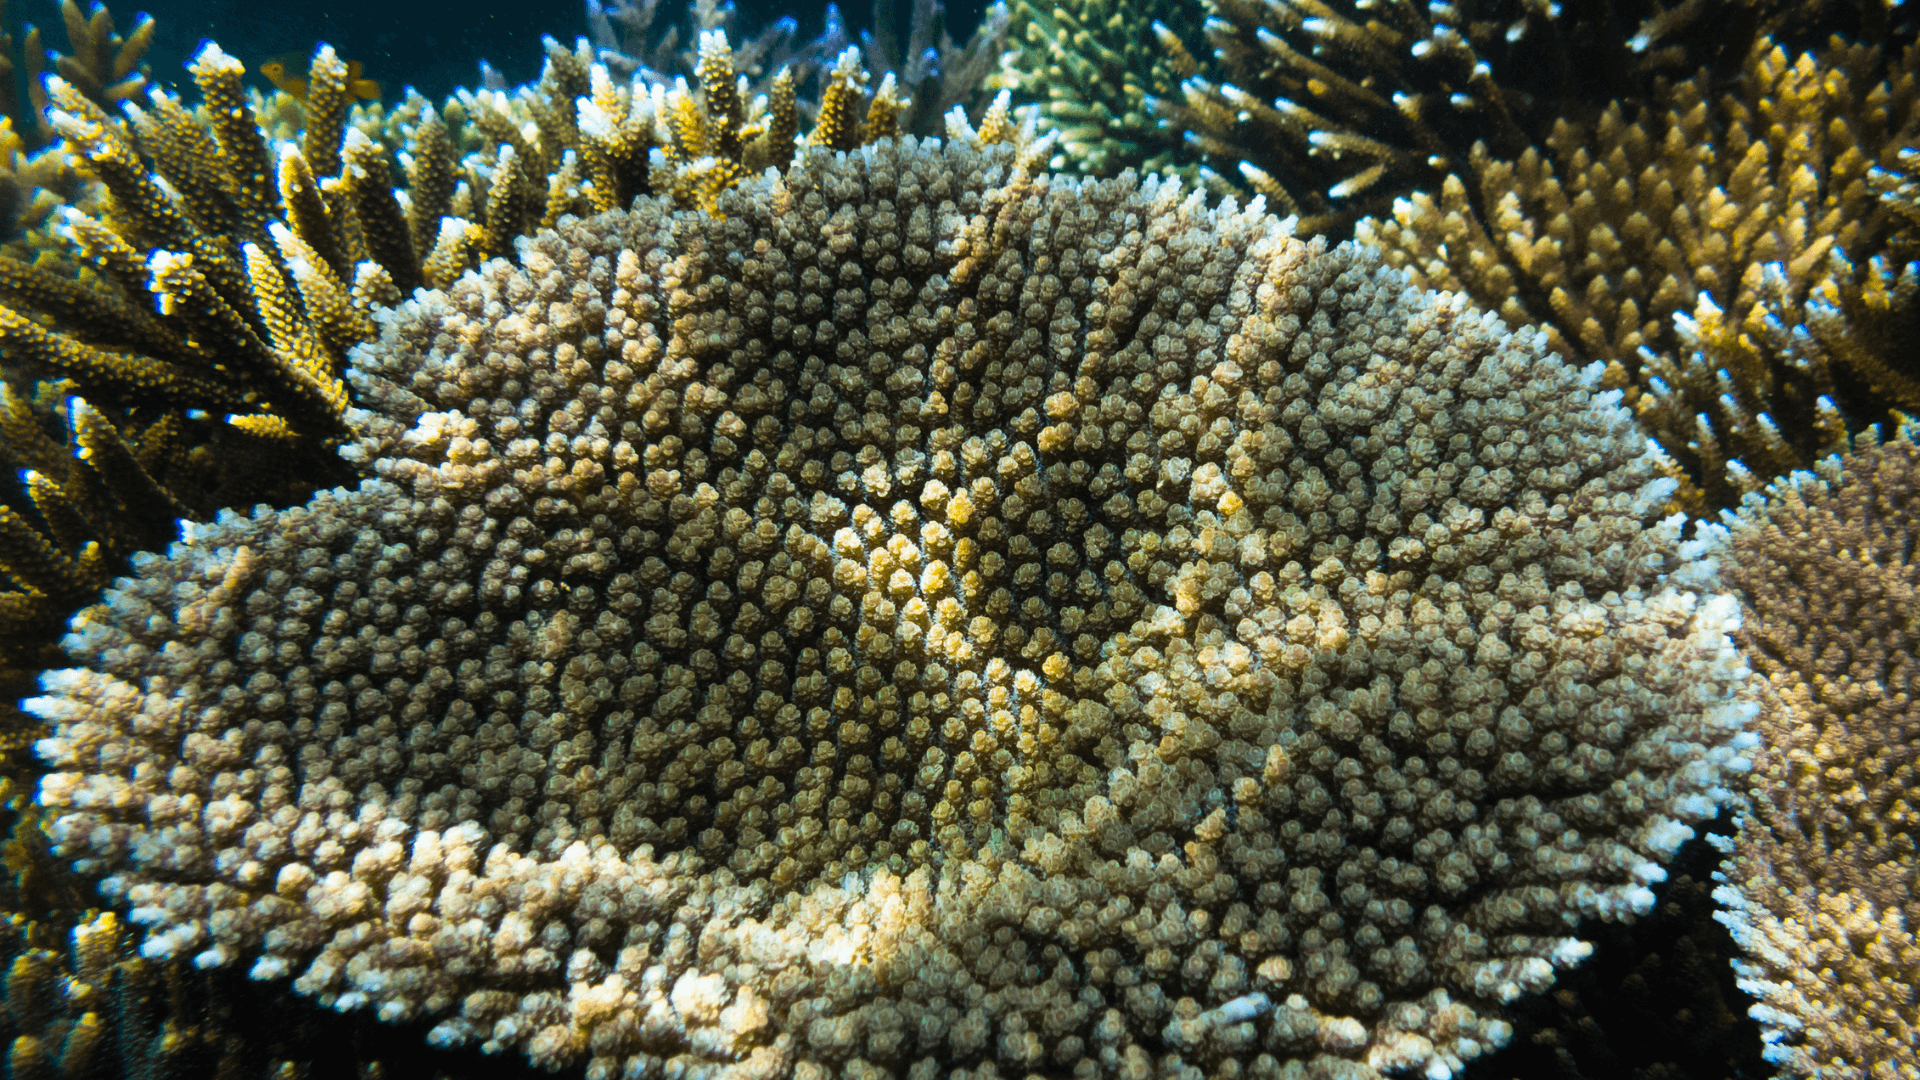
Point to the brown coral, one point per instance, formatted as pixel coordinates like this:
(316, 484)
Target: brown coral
(1725, 255)
(135, 413)
(760, 644)
(37, 180)
(105, 66)
(79, 1002)
(268, 266)
(1334, 108)
(1820, 886)
(932, 73)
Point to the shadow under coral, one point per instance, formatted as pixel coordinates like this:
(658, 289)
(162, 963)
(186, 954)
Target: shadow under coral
(1656, 1001)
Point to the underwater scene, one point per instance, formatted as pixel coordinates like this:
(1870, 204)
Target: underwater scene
(1291, 539)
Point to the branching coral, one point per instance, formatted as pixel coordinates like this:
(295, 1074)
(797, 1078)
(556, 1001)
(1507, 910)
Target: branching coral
(1094, 68)
(181, 350)
(105, 67)
(1724, 255)
(928, 616)
(580, 141)
(268, 264)
(932, 74)
(936, 75)
(1820, 885)
(1334, 108)
(625, 39)
(182, 324)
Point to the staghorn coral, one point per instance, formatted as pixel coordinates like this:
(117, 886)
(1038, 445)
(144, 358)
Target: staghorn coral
(1726, 255)
(581, 142)
(1879, 309)
(266, 261)
(624, 40)
(1900, 190)
(1658, 1000)
(930, 616)
(935, 75)
(105, 66)
(36, 180)
(34, 186)
(1333, 109)
(1819, 886)
(1094, 68)
(932, 74)
(167, 343)
(78, 1001)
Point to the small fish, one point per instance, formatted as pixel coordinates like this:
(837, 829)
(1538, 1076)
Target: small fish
(288, 71)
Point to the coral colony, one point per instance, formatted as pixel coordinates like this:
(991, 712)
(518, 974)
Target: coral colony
(722, 563)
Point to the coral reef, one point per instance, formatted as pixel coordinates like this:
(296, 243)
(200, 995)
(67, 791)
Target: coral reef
(930, 74)
(581, 142)
(267, 270)
(1717, 241)
(1727, 255)
(626, 40)
(139, 411)
(1094, 68)
(1820, 882)
(104, 66)
(1334, 108)
(1657, 1001)
(936, 75)
(78, 1001)
(927, 616)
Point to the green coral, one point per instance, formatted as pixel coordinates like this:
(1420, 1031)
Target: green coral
(1094, 69)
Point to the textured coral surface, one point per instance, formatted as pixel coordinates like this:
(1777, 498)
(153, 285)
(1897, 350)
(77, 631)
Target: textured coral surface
(1729, 255)
(927, 617)
(1819, 891)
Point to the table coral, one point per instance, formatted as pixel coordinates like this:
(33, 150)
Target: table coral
(1819, 888)
(929, 616)
(267, 265)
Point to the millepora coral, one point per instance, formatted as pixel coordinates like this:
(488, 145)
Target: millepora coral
(928, 618)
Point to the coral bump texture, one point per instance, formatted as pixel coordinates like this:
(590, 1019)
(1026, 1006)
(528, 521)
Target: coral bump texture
(1819, 889)
(929, 619)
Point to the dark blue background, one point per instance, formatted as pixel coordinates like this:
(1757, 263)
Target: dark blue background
(434, 45)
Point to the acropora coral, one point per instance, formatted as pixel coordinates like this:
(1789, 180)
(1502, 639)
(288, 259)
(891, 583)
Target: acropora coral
(1334, 108)
(101, 64)
(1716, 239)
(930, 74)
(1820, 882)
(1725, 253)
(35, 180)
(926, 615)
(1092, 70)
(269, 262)
(135, 412)
(539, 738)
